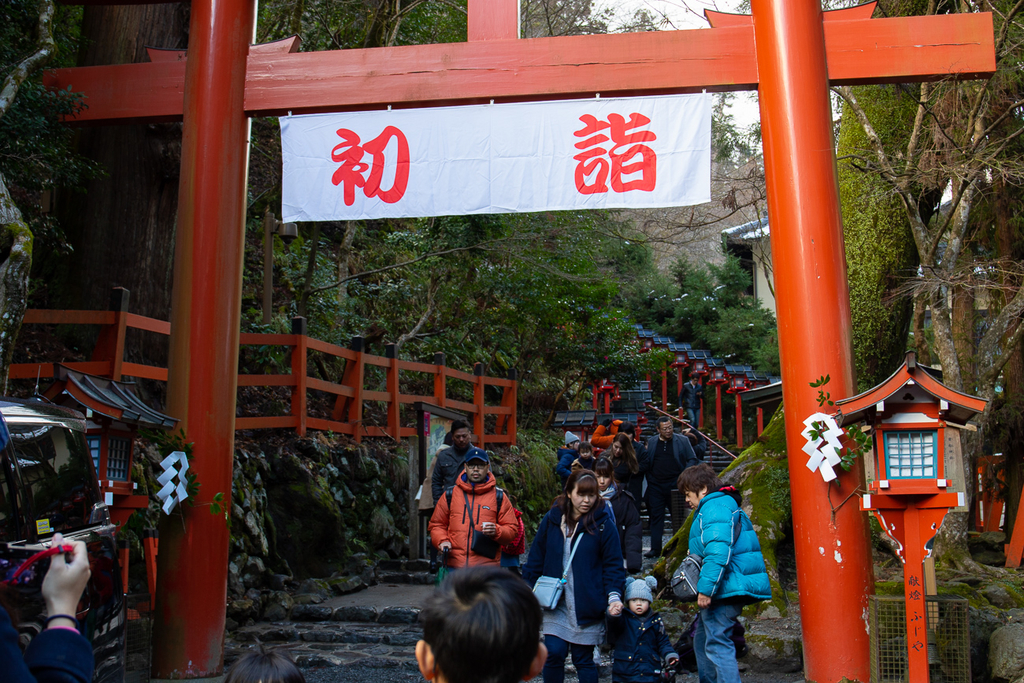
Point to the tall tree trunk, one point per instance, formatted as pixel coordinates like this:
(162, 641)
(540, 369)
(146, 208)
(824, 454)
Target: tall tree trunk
(15, 264)
(964, 336)
(121, 227)
(921, 347)
(880, 249)
(1010, 244)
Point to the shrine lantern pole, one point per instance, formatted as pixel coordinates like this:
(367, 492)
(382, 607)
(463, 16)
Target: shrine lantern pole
(833, 556)
(205, 316)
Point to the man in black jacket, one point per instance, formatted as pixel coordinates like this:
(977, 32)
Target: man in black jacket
(669, 454)
(451, 460)
(690, 397)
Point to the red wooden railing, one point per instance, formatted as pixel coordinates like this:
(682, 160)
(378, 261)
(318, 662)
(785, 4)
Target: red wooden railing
(350, 392)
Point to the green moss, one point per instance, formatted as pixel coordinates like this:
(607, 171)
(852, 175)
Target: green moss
(975, 598)
(781, 648)
(880, 249)
(888, 588)
(1014, 589)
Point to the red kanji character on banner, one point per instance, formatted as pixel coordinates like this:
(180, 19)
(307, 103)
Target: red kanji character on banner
(350, 154)
(592, 159)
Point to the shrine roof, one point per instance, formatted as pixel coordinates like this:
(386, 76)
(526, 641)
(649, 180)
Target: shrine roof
(748, 232)
(960, 407)
(116, 400)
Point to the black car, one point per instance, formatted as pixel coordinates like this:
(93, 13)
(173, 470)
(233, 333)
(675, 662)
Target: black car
(48, 484)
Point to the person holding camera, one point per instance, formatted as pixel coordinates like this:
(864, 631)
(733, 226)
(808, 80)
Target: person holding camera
(60, 654)
(472, 520)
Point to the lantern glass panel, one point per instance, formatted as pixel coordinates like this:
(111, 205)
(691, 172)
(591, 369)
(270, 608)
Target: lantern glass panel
(94, 450)
(911, 455)
(118, 455)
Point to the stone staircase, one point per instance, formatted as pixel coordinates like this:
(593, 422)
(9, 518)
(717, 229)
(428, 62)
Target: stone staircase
(322, 636)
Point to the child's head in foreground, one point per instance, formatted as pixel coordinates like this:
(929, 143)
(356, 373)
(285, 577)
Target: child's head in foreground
(265, 666)
(482, 625)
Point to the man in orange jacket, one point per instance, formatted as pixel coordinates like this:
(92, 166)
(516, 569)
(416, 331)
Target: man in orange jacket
(605, 433)
(472, 523)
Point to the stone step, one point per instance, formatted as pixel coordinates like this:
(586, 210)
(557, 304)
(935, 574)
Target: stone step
(424, 578)
(360, 614)
(384, 640)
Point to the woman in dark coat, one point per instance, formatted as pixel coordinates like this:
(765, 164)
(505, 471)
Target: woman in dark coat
(627, 515)
(594, 583)
(623, 458)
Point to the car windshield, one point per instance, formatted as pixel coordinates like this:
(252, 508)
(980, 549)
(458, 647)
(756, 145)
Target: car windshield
(57, 475)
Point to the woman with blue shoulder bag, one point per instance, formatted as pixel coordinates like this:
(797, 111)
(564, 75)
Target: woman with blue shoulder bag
(575, 568)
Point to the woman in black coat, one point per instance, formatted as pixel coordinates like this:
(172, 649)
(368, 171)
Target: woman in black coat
(626, 512)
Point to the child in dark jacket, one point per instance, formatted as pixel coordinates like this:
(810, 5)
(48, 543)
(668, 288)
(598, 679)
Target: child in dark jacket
(639, 638)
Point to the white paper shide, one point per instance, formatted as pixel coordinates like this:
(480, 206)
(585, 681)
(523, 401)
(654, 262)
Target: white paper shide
(641, 152)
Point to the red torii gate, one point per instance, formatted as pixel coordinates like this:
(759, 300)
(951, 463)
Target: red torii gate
(785, 51)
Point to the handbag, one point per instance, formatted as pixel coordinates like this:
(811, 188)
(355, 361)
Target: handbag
(684, 581)
(548, 589)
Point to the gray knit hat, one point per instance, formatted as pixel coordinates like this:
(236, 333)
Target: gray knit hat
(570, 438)
(637, 588)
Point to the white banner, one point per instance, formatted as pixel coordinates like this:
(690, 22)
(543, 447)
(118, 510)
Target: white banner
(638, 152)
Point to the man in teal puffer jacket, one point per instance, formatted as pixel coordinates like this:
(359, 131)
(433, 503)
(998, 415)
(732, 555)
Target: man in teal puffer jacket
(732, 574)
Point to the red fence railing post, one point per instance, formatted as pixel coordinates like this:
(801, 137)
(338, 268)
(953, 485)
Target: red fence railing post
(394, 403)
(508, 400)
(299, 371)
(110, 344)
(478, 403)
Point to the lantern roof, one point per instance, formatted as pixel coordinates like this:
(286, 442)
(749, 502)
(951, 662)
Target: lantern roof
(116, 400)
(911, 382)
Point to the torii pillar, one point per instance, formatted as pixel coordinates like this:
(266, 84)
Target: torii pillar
(205, 319)
(833, 560)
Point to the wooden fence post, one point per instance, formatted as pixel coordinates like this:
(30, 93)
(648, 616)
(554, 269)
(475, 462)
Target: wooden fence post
(440, 381)
(394, 404)
(351, 409)
(508, 400)
(299, 371)
(478, 401)
(110, 344)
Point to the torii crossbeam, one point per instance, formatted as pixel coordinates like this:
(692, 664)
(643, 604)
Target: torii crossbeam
(788, 50)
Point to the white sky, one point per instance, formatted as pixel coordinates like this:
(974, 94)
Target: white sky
(689, 14)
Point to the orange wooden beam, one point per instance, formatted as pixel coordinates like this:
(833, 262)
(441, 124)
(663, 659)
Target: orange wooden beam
(859, 51)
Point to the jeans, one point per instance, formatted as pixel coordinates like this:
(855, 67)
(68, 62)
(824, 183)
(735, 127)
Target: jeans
(582, 657)
(692, 416)
(658, 496)
(714, 649)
